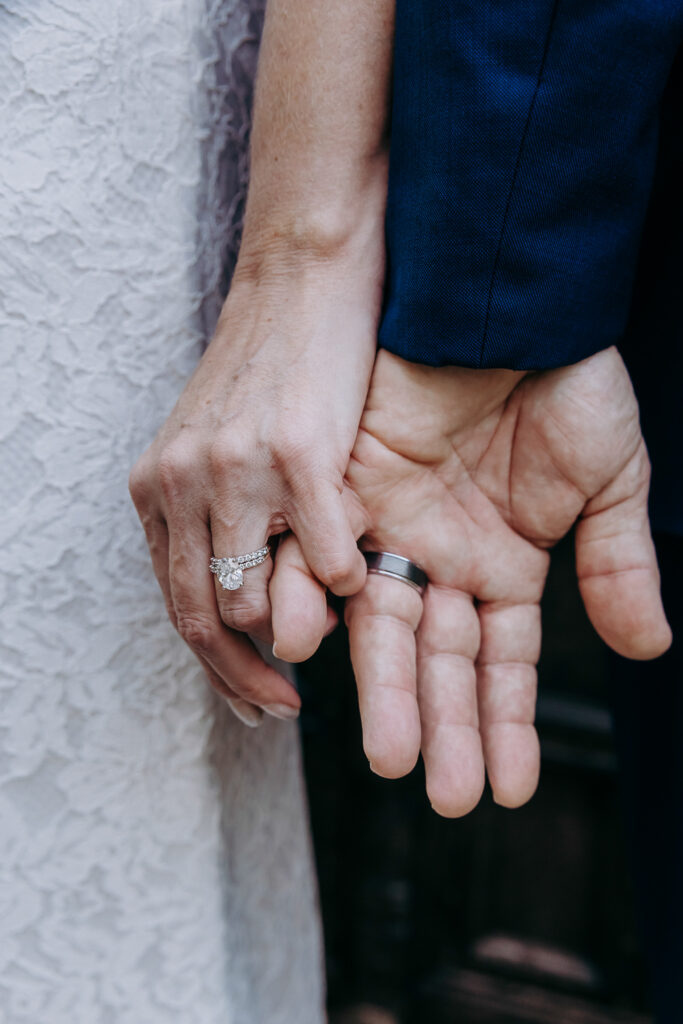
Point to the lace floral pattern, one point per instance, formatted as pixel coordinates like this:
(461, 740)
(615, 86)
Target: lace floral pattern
(154, 854)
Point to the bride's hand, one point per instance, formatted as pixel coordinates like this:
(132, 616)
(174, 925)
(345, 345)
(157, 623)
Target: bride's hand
(258, 444)
(474, 474)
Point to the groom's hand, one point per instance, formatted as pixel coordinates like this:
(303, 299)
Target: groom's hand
(474, 475)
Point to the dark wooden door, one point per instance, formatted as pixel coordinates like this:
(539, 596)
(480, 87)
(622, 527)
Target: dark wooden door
(503, 917)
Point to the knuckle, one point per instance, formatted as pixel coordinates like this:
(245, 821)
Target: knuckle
(139, 484)
(337, 571)
(228, 453)
(170, 611)
(250, 614)
(197, 631)
(249, 691)
(174, 470)
(294, 450)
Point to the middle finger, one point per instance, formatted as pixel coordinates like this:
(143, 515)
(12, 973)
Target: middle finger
(447, 644)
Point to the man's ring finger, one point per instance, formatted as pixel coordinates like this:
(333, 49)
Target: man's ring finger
(387, 564)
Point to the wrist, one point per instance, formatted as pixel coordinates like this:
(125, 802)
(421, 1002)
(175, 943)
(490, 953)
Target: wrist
(450, 399)
(341, 223)
(288, 299)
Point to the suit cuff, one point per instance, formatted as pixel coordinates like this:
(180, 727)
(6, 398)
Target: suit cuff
(524, 139)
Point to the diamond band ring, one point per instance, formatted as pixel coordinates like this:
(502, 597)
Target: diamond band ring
(230, 570)
(386, 564)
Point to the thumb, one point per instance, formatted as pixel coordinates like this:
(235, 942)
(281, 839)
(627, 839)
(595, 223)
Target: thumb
(617, 567)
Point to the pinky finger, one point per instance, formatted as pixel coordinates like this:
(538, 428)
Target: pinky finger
(247, 713)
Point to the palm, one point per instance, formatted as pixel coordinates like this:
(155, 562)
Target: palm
(474, 474)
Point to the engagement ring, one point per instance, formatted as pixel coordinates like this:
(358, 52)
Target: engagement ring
(230, 570)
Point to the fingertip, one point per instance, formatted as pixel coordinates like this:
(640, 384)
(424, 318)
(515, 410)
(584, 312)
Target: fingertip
(247, 713)
(298, 636)
(629, 617)
(456, 803)
(513, 763)
(513, 799)
(392, 742)
(661, 641)
(455, 775)
(642, 645)
(285, 712)
(391, 764)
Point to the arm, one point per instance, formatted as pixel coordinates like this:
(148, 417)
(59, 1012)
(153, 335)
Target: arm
(259, 440)
(538, 128)
(522, 150)
(319, 145)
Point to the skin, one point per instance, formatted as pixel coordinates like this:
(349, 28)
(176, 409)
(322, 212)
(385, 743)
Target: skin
(479, 474)
(476, 479)
(260, 438)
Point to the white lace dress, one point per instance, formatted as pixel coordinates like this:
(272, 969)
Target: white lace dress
(155, 865)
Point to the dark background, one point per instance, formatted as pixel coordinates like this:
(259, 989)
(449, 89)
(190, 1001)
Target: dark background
(502, 917)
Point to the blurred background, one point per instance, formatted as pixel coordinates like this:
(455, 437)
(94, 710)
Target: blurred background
(502, 917)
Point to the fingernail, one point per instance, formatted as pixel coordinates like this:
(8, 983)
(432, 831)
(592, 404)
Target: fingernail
(281, 711)
(275, 654)
(246, 712)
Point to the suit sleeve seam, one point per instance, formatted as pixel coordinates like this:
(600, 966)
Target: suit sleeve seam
(513, 182)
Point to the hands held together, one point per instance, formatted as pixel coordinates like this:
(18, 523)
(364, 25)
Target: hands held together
(294, 428)
(287, 430)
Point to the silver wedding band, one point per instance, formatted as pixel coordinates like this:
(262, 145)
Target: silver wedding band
(384, 563)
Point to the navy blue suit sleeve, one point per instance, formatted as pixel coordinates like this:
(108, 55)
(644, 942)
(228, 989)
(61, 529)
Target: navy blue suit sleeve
(524, 140)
